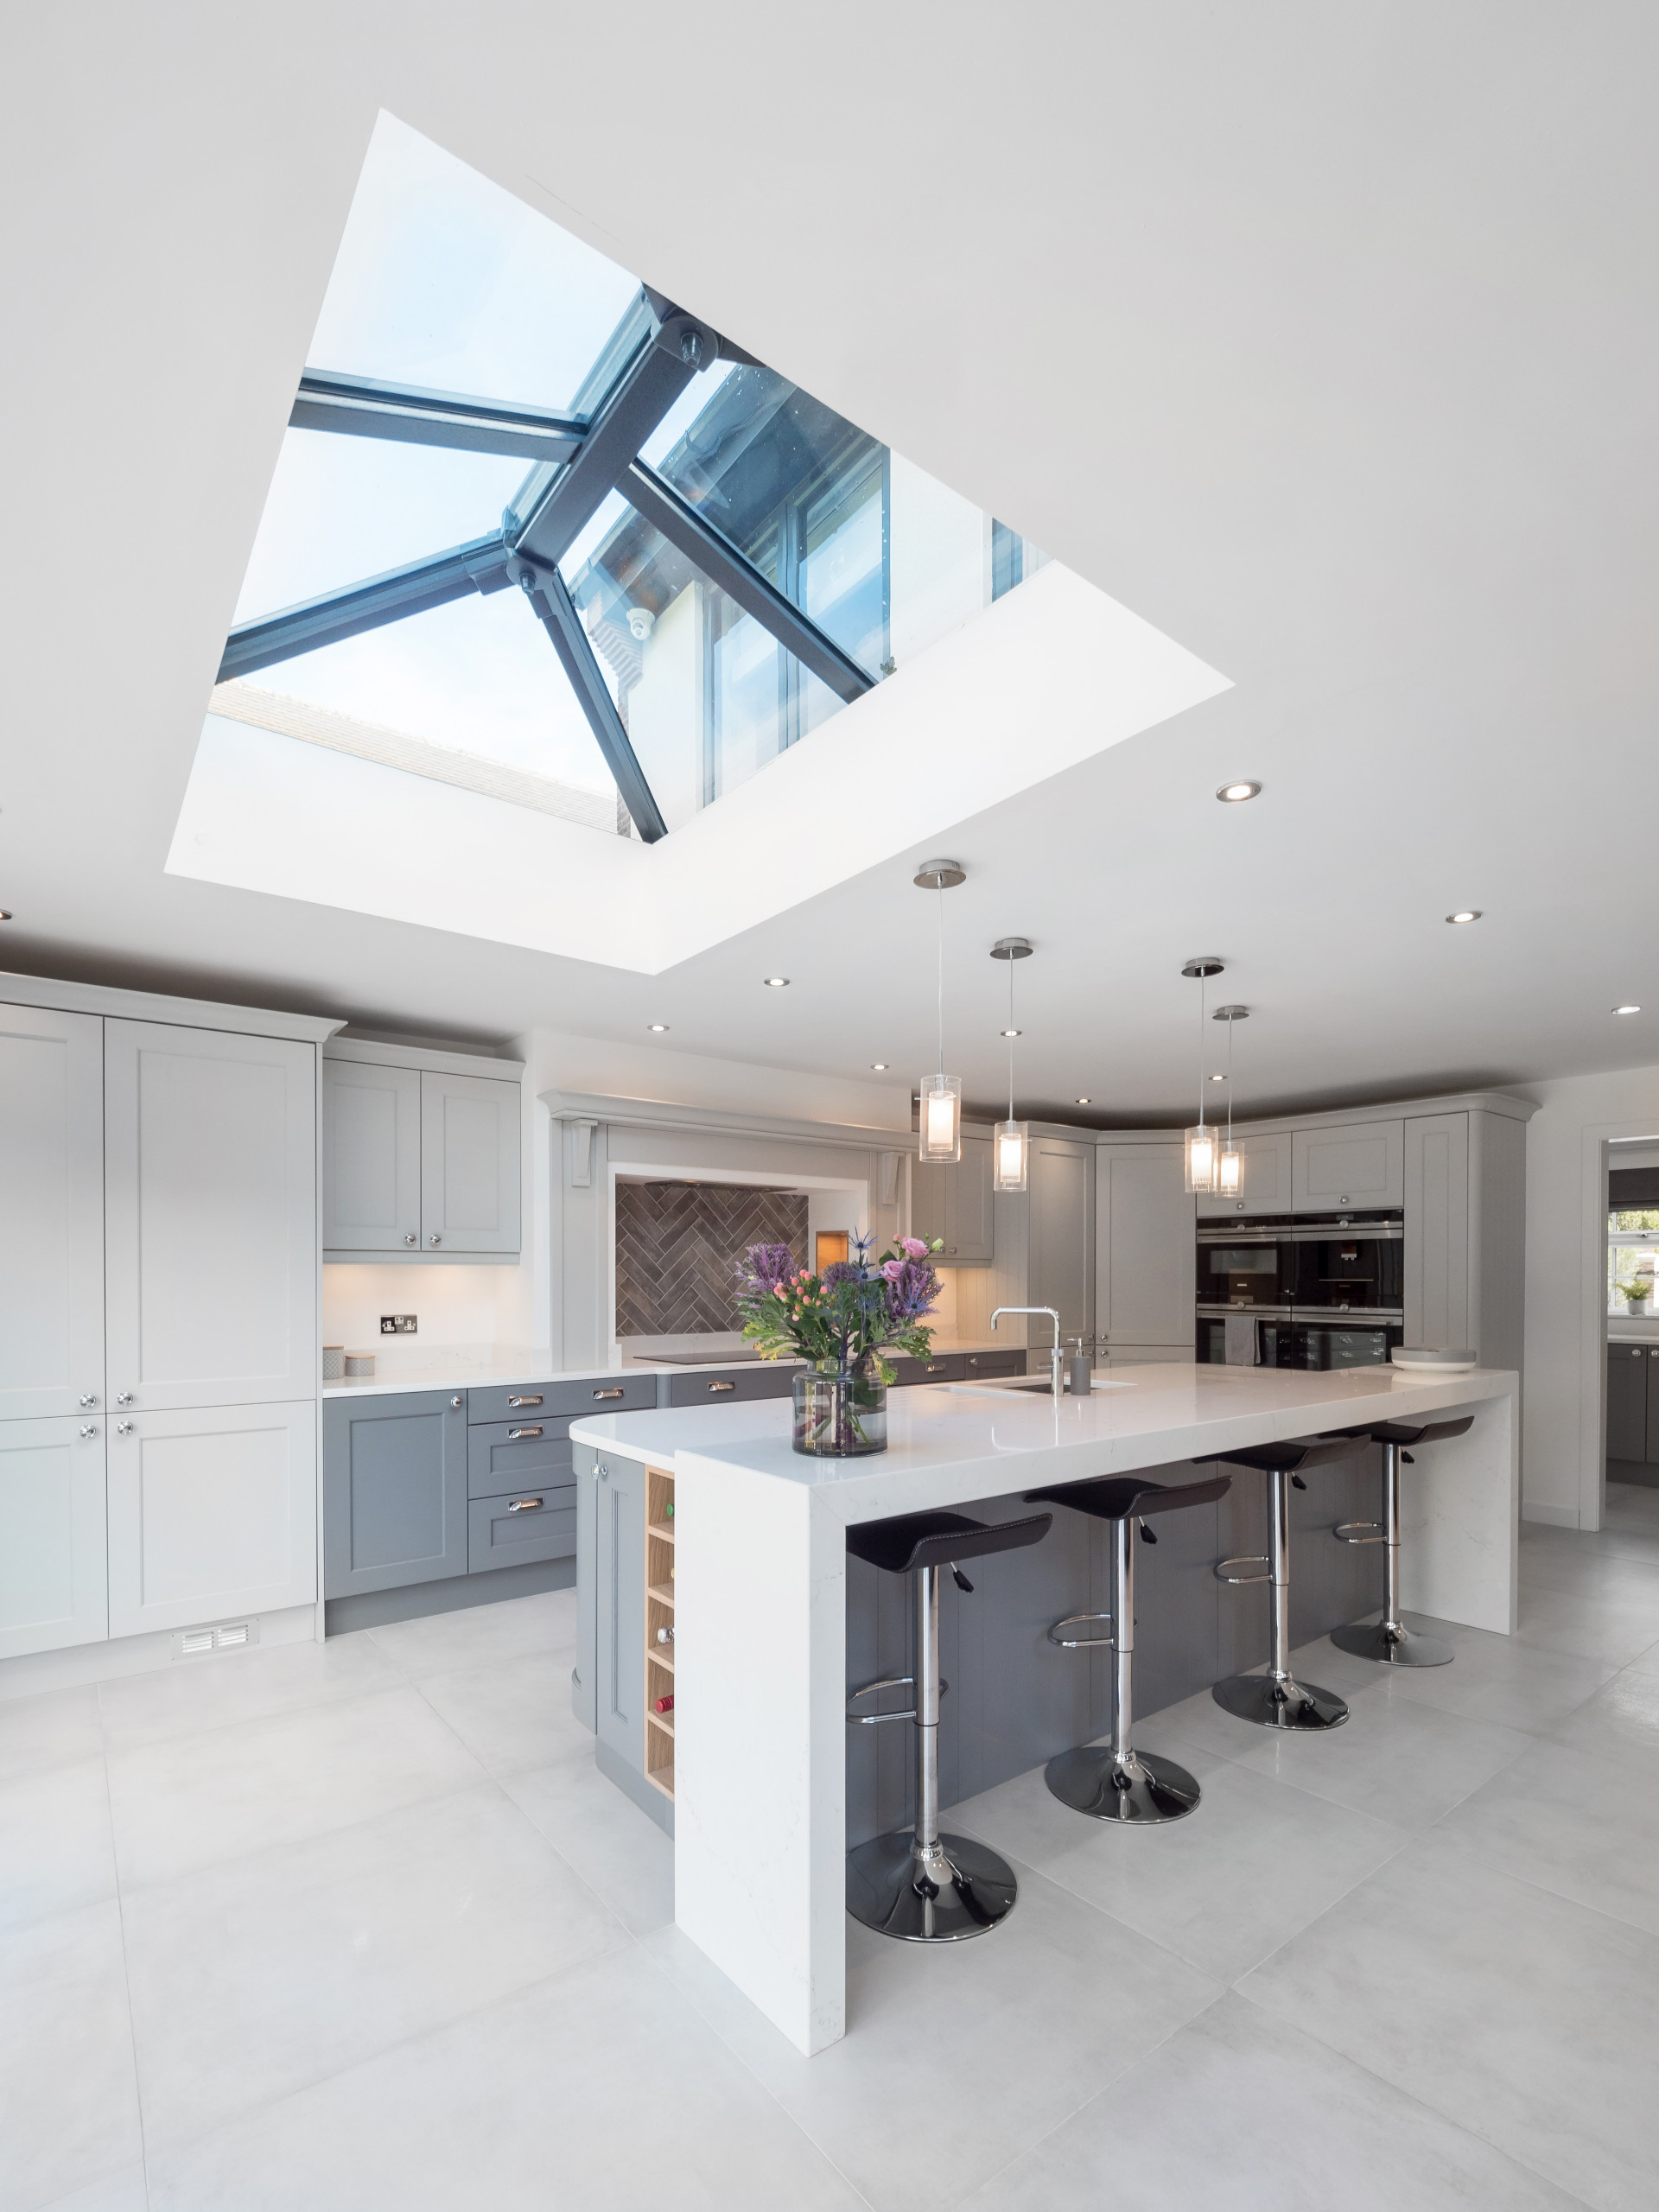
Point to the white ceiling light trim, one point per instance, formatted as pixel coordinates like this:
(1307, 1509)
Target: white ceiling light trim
(1068, 668)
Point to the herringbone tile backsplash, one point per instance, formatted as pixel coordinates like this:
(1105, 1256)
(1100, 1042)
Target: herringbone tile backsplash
(678, 1246)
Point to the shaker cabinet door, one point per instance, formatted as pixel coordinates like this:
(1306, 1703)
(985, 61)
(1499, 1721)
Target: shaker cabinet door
(1435, 1254)
(1348, 1164)
(470, 1146)
(210, 1226)
(52, 1534)
(620, 1613)
(212, 1511)
(1062, 1263)
(394, 1488)
(1263, 1179)
(370, 1158)
(1144, 1263)
(1627, 1401)
(51, 1213)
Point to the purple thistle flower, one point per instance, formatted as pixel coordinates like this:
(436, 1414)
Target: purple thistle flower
(841, 1271)
(911, 1293)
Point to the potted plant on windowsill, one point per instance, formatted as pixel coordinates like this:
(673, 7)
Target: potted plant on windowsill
(841, 1322)
(1637, 1296)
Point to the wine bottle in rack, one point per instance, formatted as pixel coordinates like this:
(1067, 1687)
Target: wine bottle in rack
(670, 1509)
(665, 1634)
(665, 1704)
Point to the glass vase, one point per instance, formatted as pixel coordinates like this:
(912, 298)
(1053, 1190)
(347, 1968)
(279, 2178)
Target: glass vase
(839, 1416)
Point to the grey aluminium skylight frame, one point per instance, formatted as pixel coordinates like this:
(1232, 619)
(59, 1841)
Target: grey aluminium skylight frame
(582, 458)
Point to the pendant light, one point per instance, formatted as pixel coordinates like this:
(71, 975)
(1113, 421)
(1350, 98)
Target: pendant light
(1203, 1152)
(1230, 1168)
(1011, 1140)
(941, 1094)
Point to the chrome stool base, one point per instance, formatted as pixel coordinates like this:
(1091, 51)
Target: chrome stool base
(1294, 1707)
(1392, 1646)
(1138, 1791)
(944, 1894)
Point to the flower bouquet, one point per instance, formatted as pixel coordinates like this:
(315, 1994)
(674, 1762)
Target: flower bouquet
(841, 1322)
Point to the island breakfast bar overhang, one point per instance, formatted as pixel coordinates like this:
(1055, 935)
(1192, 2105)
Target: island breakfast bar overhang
(761, 1602)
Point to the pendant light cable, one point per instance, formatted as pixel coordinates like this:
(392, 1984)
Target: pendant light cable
(1230, 1086)
(1203, 982)
(1010, 1037)
(941, 891)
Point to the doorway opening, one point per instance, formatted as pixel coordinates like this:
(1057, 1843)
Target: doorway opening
(1630, 1227)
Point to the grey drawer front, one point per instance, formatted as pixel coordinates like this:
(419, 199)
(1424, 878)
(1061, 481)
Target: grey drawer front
(945, 1366)
(511, 1454)
(711, 1388)
(497, 1536)
(978, 1364)
(605, 1394)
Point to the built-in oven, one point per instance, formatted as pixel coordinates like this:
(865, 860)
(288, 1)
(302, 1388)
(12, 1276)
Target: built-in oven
(1244, 1340)
(1245, 1273)
(1348, 1263)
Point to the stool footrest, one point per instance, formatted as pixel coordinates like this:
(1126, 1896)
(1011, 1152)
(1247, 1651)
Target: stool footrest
(1359, 1532)
(888, 1682)
(1259, 1558)
(1078, 1643)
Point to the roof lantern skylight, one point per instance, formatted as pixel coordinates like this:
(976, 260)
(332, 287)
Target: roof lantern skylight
(505, 445)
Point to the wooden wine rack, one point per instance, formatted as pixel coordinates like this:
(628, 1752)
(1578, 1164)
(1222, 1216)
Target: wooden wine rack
(659, 1613)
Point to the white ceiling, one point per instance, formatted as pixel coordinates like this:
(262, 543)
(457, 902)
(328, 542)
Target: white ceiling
(1321, 339)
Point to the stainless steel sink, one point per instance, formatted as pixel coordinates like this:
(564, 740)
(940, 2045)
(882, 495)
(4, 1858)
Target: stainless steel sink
(1027, 1383)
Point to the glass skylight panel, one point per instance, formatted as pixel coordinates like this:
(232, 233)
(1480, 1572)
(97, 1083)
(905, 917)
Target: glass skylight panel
(444, 280)
(341, 510)
(477, 676)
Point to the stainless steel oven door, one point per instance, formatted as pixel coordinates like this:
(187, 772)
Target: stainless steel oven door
(1353, 1341)
(1250, 1266)
(1228, 1338)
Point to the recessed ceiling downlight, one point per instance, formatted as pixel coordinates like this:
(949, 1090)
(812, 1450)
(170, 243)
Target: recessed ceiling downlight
(777, 983)
(1464, 914)
(1082, 1101)
(656, 1028)
(879, 1066)
(1627, 1009)
(1235, 794)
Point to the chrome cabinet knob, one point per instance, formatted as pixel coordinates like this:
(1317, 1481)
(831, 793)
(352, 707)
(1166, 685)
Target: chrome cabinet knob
(124, 1427)
(410, 1237)
(455, 1402)
(435, 1239)
(89, 1397)
(125, 1398)
(89, 1428)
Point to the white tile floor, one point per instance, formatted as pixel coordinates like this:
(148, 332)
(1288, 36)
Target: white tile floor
(359, 1926)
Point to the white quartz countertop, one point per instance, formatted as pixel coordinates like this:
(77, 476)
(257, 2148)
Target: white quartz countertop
(446, 1374)
(950, 1441)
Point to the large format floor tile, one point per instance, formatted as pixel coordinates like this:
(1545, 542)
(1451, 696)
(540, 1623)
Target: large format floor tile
(511, 1713)
(125, 2191)
(196, 1799)
(598, 2091)
(51, 1728)
(440, 1643)
(1500, 1680)
(253, 1979)
(1523, 2016)
(56, 1851)
(1620, 1721)
(624, 1858)
(228, 1690)
(1238, 2112)
(959, 2056)
(1584, 1827)
(1614, 1623)
(1223, 1888)
(68, 2096)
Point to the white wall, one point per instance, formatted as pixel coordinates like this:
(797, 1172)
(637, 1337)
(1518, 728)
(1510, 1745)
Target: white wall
(1561, 1426)
(465, 1314)
(561, 1062)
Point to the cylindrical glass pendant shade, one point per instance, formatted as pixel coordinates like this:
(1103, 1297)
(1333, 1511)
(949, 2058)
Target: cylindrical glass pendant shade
(1010, 1155)
(941, 1118)
(1230, 1170)
(1202, 1151)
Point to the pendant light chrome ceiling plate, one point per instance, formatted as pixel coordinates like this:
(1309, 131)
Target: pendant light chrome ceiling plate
(1230, 1013)
(1012, 948)
(940, 875)
(1205, 965)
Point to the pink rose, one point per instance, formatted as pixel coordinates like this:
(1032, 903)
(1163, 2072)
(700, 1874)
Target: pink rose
(914, 1246)
(894, 1268)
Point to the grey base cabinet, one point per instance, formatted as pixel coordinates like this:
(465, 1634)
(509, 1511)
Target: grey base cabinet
(1633, 1403)
(394, 1490)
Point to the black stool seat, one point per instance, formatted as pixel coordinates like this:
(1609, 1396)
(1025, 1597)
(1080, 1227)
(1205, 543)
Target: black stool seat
(1118, 1497)
(909, 1540)
(1295, 1455)
(1427, 1432)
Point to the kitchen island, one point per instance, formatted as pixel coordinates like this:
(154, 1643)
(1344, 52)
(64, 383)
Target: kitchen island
(760, 1749)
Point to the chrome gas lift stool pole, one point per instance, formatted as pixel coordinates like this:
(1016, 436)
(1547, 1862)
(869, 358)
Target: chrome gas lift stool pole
(1116, 1782)
(1277, 1700)
(925, 1887)
(1390, 1643)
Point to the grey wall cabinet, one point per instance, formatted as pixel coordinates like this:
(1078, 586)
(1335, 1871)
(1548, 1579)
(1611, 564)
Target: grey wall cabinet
(620, 1611)
(51, 1213)
(371, 1156)
(210, 1217)
(1629, 1368)
(418, 1162)
(52, 1574)
(1359, 1164)
(394, 1490)
(1061, 1264)
(1264, 1182)
(952, 1202)
(1435, 1256)
(1144, 1247)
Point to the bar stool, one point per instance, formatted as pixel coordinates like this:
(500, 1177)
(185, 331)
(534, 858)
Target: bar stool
(1116, 1782)
(1390, 1643)
(1277, 1700)
(925, 1887)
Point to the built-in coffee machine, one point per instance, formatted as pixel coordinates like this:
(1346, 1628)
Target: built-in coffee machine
(1301, 1290)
